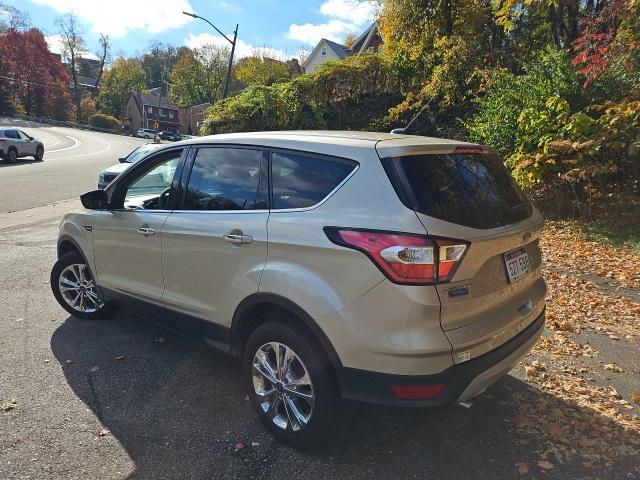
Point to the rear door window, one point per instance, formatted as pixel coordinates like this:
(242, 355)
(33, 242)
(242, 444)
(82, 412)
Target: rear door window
(474, 190)
(302, 180)
(227, 179)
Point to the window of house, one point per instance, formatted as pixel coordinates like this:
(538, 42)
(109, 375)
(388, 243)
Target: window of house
(300, 180)
(150, 109)
(227, 179)
(324, 51)
(170, 113)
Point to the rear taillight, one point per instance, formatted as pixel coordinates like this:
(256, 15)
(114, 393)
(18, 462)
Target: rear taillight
(403, 257)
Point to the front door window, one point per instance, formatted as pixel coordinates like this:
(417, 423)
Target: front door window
(151, 190)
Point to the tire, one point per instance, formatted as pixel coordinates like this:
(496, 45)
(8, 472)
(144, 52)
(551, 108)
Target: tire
(277, 408)
(39, 156)
(72, 268)
(12, 155)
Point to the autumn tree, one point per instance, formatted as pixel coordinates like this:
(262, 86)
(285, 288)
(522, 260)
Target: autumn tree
(35, 74)
(103, 55)
(12, 18)
(260, 70)
(199, 75)
(73, 47)
(159, 59)
(118, 81)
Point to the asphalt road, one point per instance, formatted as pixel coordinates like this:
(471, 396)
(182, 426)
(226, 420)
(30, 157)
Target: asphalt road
(72, 161)
(122, 398)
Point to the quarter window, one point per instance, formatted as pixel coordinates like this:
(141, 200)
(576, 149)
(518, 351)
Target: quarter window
(227, 179)
(301, 181)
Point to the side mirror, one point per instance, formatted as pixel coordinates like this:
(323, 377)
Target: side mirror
(95, 200)
(122, 159)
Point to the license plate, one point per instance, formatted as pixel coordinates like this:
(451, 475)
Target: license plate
(517, 263)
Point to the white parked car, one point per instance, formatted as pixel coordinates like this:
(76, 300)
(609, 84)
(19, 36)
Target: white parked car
(146, 133)
(109, 174)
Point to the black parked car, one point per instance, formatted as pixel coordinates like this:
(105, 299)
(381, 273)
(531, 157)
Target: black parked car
(174, 137)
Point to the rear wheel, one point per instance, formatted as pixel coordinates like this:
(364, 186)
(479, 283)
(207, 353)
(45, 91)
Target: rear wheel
(39, 156)
(291, 383)
(75, 290)
(12, 155)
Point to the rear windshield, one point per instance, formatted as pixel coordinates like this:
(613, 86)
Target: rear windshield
(474, 190)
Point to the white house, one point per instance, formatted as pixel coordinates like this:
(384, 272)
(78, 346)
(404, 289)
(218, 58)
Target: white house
(326, 50)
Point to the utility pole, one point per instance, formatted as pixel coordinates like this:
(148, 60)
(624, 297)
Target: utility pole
(233, 49)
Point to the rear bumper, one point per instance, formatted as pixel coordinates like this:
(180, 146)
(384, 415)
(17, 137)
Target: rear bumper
(463, 380)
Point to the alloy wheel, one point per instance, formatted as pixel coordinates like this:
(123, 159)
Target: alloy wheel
(78, 289)
(283, 386)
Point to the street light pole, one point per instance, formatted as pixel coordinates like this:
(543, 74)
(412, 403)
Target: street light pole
(233, 48)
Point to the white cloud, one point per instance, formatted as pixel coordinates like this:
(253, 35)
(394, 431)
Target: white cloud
(343, 17)
(117, 17)
(54, 42)
(243, 49)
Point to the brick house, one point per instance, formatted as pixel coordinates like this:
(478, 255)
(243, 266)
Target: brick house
(191, 118)
(145, 110)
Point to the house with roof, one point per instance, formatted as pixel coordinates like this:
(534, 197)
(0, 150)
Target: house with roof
(326, 50)
(146, 110)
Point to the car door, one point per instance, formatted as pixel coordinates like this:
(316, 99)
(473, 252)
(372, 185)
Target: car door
(28, 145)
(215, 246)
(14, 140)
(127, 239)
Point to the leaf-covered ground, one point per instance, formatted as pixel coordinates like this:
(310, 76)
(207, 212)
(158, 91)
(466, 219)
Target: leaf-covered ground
(585, 371)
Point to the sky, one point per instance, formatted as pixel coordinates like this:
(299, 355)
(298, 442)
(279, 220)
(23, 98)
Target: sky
(277, 28)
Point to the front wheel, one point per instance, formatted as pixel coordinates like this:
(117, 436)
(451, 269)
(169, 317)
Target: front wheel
(12, 156)
(39, 156)
(75, 290)
(292, 385)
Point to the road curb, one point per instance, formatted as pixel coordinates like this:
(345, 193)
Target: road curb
(38, 214)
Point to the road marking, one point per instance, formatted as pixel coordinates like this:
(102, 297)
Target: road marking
(76, 144)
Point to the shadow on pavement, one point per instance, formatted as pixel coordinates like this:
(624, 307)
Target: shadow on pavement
(179, 411)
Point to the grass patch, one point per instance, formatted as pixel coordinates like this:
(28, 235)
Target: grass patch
(625, 235)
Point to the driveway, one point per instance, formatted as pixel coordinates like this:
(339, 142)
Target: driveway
(122, 398)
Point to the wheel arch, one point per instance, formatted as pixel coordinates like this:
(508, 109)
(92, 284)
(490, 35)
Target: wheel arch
(68, 244)
(245, 321)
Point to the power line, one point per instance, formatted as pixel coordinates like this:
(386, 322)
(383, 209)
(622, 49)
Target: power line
(11, 79)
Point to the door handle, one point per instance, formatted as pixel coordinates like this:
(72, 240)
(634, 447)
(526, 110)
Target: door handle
(237, 238)
(145, 230)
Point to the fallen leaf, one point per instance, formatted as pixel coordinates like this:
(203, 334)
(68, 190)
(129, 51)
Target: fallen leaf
(545, 464)
(614, 393)
(240, 446)
(103, 432)
(613, 367)
(10, 405)
(635, 397)
(522, 467)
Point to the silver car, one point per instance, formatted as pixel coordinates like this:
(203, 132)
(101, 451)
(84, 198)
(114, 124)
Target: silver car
(15, 143)
(392, 269)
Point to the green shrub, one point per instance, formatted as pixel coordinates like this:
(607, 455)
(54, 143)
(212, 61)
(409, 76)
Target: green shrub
(101, 120)
(508, 96)
(350, 94)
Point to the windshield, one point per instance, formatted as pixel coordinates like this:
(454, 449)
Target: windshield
(474, 190)
(139, 153)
